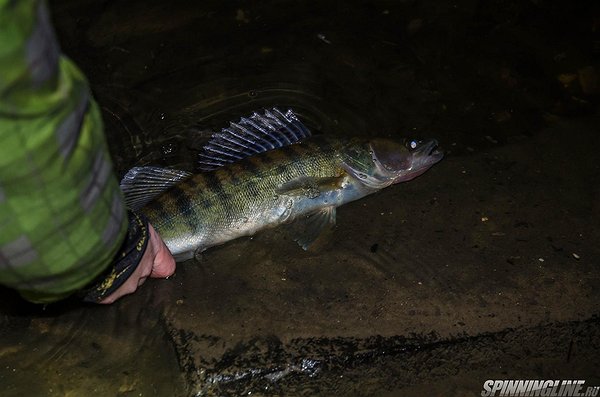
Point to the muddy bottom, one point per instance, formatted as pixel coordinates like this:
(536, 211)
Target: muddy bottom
(486, 267)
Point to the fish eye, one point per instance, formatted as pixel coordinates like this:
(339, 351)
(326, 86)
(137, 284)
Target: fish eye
(412, 144)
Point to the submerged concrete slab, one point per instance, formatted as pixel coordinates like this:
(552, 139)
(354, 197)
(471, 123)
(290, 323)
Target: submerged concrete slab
(482, 249)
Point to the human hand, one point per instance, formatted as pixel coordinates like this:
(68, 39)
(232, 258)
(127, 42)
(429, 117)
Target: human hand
(157, 262)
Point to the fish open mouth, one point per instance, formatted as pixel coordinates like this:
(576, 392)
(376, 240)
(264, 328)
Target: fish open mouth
(425, 154)
(431, 148)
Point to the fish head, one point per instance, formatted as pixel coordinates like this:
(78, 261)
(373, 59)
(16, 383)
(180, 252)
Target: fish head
(383, 162)
(403, 162)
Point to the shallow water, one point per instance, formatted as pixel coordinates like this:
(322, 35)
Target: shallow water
(486, 267)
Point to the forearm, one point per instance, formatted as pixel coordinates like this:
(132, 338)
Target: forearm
(62, 217)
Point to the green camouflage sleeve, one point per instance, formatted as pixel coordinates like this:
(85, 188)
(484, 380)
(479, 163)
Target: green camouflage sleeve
(62, 217)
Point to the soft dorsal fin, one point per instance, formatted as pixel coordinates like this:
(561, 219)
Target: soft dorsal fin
(252, 135)
(142, 184)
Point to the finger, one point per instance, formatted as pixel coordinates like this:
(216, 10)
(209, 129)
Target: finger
(164, 264)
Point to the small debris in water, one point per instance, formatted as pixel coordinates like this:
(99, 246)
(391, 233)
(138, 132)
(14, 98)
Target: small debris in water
(541, 259)
(322, 37)
(575, 256)
(484, 219)
(492, 140)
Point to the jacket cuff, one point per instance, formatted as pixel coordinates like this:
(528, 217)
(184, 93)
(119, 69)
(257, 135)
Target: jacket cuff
(126, 261)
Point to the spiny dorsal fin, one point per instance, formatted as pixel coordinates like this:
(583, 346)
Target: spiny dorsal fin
(252, 135)
(142, 184)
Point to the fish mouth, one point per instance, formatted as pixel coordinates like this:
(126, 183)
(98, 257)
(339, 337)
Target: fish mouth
(431, 150)
(426, 154)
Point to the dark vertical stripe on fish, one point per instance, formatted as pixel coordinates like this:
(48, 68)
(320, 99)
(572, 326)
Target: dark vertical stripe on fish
(158, 213)
(295, 151)
(250, 166)
(214, 185)
(199, 186)
(184, 206)
(299, 156)
(227, 175)
(259, 162)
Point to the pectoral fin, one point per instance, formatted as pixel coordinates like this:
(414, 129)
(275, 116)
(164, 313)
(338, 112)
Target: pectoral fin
(308, 230)
(310, 187)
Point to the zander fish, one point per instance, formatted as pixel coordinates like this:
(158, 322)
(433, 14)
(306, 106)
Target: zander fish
(264, 171)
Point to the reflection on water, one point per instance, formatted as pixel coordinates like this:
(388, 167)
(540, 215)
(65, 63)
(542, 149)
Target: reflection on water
(424, 283)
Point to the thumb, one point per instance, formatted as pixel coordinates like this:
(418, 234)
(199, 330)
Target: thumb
(164, 264)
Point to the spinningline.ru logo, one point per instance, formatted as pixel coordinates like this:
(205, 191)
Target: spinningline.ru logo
(543, 388)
